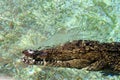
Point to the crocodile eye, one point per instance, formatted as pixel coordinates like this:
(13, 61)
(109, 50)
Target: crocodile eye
(30, 51)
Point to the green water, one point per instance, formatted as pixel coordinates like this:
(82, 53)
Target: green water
(26, 24)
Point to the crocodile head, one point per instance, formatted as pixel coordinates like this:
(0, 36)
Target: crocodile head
(34, 56)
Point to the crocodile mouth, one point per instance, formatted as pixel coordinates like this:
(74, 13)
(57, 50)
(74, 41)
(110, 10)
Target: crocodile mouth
(36, 57)
(39, 61)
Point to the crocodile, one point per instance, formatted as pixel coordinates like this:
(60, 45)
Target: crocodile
(89, 54)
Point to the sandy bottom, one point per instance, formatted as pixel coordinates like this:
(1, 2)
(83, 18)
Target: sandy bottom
(6, 77)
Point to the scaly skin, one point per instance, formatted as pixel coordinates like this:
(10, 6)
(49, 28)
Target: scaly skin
(78, 54)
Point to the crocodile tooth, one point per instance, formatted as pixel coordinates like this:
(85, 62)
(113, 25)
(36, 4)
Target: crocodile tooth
(59, 61)
(41, 62)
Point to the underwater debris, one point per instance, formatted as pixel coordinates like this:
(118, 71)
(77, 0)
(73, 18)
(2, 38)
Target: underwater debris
(78, 54)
